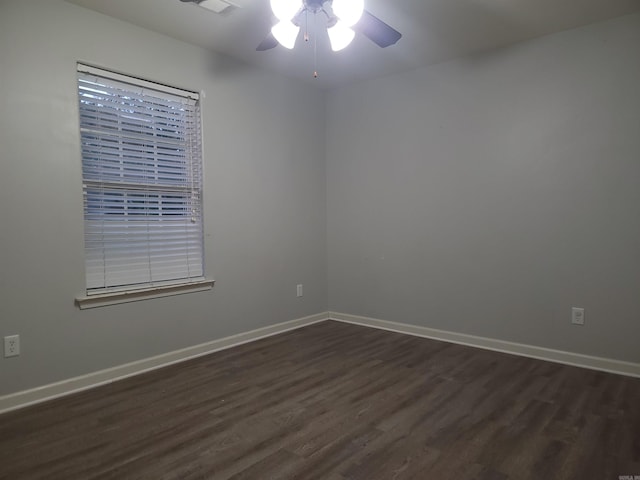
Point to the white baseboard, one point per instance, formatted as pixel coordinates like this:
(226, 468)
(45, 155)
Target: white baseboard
(25, 398)
(540, 353)
(65, 387)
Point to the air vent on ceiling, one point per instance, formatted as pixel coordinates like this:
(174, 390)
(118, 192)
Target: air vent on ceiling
(218, 6)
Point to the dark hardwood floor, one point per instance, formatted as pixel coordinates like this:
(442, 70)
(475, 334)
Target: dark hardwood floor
(335, 401)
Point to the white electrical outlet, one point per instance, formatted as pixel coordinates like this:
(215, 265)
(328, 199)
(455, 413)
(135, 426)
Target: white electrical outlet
(12, 346)
(577, 316)
(299, 290)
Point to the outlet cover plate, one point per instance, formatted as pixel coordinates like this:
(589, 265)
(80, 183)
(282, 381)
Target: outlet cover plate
(577, 316)
(12, 346)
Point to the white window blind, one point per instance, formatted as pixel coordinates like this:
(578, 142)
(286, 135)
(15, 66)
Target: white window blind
(142, 183)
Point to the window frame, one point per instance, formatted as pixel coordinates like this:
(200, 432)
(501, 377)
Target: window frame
(138, 202)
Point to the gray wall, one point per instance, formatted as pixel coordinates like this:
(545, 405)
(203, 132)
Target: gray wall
(265, 196)
(485, 196)
(488, 196)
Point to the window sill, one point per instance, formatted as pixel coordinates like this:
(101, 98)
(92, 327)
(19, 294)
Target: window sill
(105, 299)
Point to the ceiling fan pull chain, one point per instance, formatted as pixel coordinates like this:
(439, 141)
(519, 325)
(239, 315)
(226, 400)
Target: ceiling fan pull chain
(306, 25)
(315, 46)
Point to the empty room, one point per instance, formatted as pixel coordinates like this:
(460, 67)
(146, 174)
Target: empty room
(320, 239)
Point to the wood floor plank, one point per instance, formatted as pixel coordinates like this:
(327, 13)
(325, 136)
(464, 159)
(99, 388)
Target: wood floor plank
(334, 401)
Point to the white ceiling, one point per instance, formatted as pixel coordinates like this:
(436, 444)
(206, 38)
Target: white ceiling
(433, 31)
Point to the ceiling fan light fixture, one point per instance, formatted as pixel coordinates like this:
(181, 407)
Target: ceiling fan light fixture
(348, 11)
(284, 10)
(286, 33)
(340, 36)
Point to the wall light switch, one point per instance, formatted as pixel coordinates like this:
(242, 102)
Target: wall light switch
(299, 290)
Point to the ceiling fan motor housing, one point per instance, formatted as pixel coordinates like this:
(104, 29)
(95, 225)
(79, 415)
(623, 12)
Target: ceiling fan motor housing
(314, 5)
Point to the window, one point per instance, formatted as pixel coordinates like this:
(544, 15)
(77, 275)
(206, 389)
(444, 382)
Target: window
(142, 183)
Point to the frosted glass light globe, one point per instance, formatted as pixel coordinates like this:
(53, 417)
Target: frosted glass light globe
(285, 9)
(348, 11)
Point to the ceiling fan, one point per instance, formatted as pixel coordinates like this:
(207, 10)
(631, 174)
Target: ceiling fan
(343, 19)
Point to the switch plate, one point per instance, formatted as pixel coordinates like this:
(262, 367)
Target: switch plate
(577, 316)
(299, 290)
(12, 346)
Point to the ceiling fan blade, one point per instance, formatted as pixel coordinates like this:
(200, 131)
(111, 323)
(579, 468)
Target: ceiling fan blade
(376, 30)
(268, 43)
